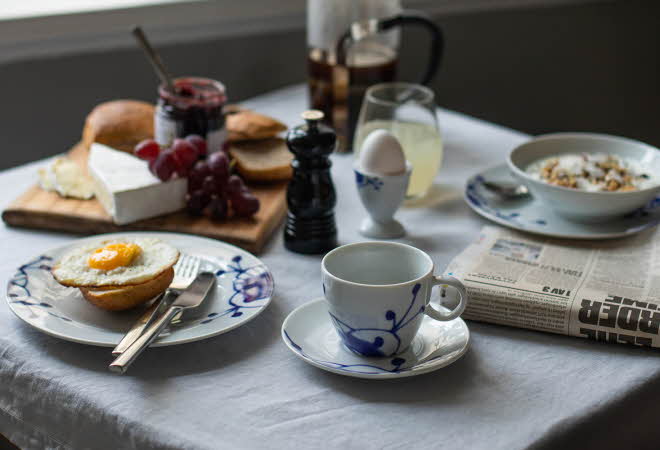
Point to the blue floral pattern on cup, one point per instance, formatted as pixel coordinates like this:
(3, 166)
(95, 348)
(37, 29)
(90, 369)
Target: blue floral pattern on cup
(364, 181)
(386, 366)
(369, 341)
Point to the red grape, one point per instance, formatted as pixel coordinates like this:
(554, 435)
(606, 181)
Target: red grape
(164, 165)
(196, 176)
(244, 204)
(152, 169)
(147, 150)
(198, 142)
(210, 185)
(185, 155)
(201, 170)
(218, 208)
(219, 165)
(196, 202)
(235, 185)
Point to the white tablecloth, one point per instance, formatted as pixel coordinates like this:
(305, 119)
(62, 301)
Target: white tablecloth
(245, 389)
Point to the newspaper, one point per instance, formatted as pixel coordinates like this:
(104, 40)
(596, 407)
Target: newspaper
(605, 290)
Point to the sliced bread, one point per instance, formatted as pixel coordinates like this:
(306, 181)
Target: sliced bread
(266, 160)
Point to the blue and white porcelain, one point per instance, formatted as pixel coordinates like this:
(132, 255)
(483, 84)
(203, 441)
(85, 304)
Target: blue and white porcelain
(381, 196)
(379, 292)
(244, 289)
(310, 335)
(578, 205)
(534, 216)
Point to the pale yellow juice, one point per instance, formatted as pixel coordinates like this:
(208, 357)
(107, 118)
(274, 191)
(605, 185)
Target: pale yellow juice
(421, 144)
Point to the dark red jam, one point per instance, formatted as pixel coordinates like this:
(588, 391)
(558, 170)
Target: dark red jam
(194, 108)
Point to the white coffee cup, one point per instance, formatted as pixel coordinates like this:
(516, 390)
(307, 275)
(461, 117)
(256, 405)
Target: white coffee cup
(378, 293)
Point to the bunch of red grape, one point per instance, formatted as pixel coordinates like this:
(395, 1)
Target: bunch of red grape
(211, 188)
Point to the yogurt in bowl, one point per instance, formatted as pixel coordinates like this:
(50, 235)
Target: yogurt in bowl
(586, 177)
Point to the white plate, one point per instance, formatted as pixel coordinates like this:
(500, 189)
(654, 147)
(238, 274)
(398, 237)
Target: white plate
(529, 214)
(244, 289)
(309, 333)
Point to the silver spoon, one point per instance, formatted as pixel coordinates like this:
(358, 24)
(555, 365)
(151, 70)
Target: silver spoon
(154, 58)
(507, 190)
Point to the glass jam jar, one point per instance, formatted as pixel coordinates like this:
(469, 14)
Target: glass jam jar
(194, 108)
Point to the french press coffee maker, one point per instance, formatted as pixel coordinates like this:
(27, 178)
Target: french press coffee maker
(353, 44)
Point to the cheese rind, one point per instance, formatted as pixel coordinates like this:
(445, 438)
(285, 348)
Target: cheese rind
(127, 189)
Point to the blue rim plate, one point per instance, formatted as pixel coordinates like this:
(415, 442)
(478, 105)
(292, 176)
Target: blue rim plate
(530, 215)
(310, 335)
(243, 290)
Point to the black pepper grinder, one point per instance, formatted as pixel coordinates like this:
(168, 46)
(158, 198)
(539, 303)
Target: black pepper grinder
(310, 222)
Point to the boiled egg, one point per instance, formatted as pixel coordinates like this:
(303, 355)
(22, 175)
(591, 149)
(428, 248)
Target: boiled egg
(381, 154)
(118, 262)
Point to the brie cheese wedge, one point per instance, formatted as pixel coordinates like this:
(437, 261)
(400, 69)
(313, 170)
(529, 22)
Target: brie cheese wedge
(128, 190)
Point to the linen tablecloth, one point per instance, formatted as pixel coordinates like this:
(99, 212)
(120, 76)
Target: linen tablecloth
(513, 389)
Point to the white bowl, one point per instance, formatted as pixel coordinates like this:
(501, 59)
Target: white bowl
(577, 205)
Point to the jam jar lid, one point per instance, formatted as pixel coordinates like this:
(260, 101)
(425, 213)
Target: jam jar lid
(194, 92)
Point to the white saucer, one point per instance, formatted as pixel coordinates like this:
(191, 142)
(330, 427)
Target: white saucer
(530, 215)
(243, 290)
(309, 333)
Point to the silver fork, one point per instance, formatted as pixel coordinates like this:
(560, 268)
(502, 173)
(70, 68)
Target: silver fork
(185, 271)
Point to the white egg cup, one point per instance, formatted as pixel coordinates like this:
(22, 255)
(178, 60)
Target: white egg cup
(381, 196)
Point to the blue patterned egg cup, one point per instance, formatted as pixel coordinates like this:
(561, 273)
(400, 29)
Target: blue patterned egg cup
(378, 292)
(381, 196)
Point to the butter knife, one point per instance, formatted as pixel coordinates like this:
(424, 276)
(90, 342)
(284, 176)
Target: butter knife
(185, 271)
(146, 319)
(191, 298)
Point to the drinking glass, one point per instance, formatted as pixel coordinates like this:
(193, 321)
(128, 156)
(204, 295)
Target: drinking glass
(407, 111)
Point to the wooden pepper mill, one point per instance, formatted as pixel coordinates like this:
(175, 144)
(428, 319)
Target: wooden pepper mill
(310, 222)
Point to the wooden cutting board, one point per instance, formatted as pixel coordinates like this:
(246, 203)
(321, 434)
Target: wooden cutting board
(37, 208)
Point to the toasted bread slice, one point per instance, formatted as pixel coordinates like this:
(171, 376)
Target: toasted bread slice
(126, 297)
(250, 125)
(263, 161)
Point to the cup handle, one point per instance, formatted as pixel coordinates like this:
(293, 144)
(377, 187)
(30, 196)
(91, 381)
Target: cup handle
(441, 315)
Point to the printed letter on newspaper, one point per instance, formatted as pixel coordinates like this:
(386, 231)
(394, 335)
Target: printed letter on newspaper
(606, 290)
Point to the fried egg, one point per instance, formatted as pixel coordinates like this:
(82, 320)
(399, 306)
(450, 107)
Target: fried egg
(117, 262)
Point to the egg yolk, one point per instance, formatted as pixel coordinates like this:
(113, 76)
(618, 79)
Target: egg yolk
(113, 255)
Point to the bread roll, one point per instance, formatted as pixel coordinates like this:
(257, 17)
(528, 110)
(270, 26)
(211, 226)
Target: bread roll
(119, 124)
(127, 297)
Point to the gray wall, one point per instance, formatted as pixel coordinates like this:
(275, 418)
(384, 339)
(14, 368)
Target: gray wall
(589, 67)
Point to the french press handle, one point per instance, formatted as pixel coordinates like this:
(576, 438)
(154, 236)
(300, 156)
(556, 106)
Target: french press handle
(359, 30)
(437, 41)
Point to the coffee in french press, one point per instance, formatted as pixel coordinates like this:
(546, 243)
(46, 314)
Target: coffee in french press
(352, 45)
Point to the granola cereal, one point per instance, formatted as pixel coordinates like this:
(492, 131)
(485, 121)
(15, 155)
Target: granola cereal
(594, 172)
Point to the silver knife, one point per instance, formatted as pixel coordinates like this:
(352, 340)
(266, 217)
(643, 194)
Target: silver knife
(185, 271)
(145, 320)
(191, 298)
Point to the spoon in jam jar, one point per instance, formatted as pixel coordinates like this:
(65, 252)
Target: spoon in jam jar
(154, 58)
